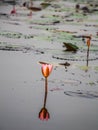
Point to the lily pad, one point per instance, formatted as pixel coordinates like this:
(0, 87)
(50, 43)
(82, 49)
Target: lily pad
(70, 47)
(96, 68)
(15, 35)
(85, 68)
(45, 4)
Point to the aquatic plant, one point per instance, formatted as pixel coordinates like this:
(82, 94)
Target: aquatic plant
(88, 44)
(46, 69)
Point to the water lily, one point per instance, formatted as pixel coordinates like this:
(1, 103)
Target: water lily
(13, 11)
(44, 114)
(46, 69)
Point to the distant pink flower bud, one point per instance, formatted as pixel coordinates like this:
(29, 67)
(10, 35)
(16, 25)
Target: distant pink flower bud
(13, 11)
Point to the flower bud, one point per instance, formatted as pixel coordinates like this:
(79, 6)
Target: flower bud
(46, 69)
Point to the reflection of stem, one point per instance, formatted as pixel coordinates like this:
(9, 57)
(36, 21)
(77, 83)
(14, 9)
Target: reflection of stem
(46, 91)
(87, 56)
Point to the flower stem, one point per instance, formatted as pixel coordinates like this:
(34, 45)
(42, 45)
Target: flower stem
(87, 55)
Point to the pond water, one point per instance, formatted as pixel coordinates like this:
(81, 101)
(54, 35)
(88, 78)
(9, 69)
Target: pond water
(27, 41)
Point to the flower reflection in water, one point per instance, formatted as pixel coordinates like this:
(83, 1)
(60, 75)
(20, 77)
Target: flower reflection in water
(44, 114)
(46, 70)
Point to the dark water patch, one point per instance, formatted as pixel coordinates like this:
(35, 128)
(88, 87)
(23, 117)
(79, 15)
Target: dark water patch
(69, 20)
(11, 2)
(82, 94)
(38, 51)
(46, 23)
(90, 25)
(4, 15)
(15, 48)
(9, 48)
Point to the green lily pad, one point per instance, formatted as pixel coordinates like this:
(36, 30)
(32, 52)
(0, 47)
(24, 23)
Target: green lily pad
(96, 68)
(84, 68)
(45, 4)
(15, 35)
(91, 83)
(70, 47)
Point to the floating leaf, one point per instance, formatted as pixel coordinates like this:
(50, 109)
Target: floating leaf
(96, 68)
(45, 4)
(92, 83)
(84, 67)
(70, 47)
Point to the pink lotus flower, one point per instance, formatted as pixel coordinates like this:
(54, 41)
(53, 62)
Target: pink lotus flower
(46, 69)
(44, 114)
(13, 11)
